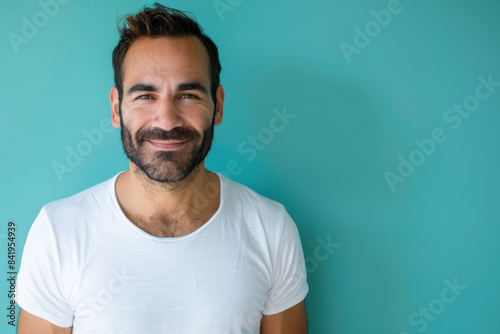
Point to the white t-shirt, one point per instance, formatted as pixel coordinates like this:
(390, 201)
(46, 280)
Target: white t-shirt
(86, 265)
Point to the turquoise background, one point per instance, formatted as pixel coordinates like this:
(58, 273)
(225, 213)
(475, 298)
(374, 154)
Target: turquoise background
(394, 248)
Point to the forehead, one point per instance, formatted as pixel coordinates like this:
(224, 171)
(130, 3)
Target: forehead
(166, 57)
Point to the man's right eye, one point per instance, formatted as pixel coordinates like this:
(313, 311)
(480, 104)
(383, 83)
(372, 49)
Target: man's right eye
(144, 97)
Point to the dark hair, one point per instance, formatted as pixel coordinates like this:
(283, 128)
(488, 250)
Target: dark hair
(161, 21)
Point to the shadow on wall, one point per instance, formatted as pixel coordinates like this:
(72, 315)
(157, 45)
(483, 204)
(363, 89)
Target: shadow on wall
(329, 158)
(338, 140)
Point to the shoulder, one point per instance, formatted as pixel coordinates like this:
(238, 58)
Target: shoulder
(241, 197)
(255, 214)
(85, 200)
(73, 213)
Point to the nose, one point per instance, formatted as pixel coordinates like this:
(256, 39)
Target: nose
(167, 115)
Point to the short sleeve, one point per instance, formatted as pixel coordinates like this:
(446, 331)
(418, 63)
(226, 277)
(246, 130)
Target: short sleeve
(39, 288)
(289, 286)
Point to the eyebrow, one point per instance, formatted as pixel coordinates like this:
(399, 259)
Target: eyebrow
(142, 87)
(192, 86)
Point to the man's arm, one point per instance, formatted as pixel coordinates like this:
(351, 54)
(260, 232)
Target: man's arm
(291, 321)
(31, 324)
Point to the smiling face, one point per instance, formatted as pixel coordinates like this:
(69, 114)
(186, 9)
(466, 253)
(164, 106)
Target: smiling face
(167, 114)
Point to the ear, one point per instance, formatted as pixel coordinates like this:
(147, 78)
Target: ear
(115, 107)
(220, 105)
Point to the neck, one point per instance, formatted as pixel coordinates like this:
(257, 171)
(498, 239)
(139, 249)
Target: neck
(168, 209)
(166, 191)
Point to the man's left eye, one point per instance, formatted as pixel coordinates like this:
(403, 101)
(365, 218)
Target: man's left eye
(188, 96)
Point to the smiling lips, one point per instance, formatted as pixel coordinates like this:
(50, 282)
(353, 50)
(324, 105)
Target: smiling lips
(167, 145)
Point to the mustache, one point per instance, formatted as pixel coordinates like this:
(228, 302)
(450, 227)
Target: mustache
(179, 133)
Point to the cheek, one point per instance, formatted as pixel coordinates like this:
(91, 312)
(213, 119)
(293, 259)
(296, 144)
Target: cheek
(133, 124)
(134, 120)
(202, 124)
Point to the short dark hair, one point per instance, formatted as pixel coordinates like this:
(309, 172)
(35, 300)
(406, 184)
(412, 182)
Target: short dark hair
(161, 21)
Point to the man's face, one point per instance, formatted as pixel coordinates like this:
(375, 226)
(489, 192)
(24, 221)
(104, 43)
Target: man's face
(167, 112)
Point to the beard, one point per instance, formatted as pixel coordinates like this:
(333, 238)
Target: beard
(167, 166)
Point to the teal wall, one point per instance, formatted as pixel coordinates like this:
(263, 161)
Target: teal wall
(394, 189)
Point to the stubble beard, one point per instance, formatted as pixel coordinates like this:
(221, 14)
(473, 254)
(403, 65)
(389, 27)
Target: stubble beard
(167, 166)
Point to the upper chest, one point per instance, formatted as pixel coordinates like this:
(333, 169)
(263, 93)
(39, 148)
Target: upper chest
(221, 276)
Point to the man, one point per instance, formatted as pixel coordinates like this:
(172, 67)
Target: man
(166, 246)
